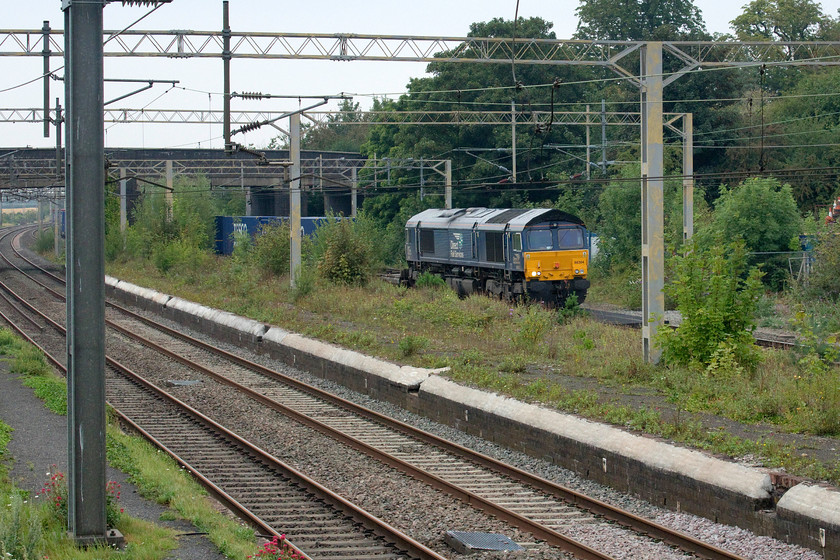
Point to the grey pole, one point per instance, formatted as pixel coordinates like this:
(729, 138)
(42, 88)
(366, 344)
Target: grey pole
(246, 190)
(688, 176)
(513, 137)
(55, 228)
(588, 142)
(46, 52)
(123, 203)
(354, 191)
(226, 56)
(603, 137)
(447, 166)
(169, 187)
(85, 225)
(653, 231)
(294, 198)
(58, 120)
(422, 180)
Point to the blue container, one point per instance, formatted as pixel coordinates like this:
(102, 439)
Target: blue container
(227, 226)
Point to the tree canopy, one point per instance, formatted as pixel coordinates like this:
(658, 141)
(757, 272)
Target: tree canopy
(639, 20)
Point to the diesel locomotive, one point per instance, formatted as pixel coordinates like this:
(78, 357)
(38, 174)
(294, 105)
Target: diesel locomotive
(510, 253)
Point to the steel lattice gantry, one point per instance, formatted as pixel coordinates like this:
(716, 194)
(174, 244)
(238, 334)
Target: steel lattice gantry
(613, 55)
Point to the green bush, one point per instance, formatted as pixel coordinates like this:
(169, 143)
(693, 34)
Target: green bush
(346, 255)
(716, 295)
(271, 249)
(763, 213)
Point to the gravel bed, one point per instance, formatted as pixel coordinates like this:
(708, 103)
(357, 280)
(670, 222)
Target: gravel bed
(290, 448)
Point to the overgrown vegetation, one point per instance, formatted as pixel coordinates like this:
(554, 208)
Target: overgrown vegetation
(716, 294)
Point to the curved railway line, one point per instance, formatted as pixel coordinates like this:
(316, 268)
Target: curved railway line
(274, 495)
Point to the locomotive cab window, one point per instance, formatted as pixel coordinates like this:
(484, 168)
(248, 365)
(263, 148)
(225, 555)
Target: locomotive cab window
(570, 238)
(540, 240)
(517, 241)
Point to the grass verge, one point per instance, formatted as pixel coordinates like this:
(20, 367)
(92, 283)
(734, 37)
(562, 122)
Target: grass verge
(30, 530)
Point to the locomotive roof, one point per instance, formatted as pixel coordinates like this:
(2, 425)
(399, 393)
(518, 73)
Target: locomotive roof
(468, 217)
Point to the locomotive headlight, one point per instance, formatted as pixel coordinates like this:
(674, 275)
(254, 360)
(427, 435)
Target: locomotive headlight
(533, 273)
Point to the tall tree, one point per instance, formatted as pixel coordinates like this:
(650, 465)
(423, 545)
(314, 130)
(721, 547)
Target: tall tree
(781, 20)
(639, 20)
(481, 155)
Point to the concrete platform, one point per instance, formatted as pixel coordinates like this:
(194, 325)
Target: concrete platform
(666, 475)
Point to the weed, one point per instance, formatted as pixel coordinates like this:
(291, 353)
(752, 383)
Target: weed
(410, 345)
(429, 280)
(534, 323)
(514, 363)
(44, 241)
(571, 309)
(20, 526)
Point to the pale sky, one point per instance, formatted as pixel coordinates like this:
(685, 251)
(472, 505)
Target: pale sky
(429, 18)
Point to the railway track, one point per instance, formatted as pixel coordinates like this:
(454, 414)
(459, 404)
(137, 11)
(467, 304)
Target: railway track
(537, 506)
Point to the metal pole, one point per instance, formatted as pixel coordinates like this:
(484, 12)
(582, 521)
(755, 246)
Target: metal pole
(46, 52)
(246, 190)
(169, 189)
(688, 176)
(354, 191)
(55, 228)
(58, 120)
(226, 55)
(123, 202)
(653, 231)
(513, 137)
(85, 226)
(40, 215)
(447, 166)
(422, 180)
(588, 156)
(294, 199)
(603, 137)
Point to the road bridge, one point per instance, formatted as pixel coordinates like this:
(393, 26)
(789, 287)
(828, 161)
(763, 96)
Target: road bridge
(264, 182)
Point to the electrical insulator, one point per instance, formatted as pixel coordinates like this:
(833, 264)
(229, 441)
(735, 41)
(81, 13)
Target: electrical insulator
(249, 127)
(143, 2)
